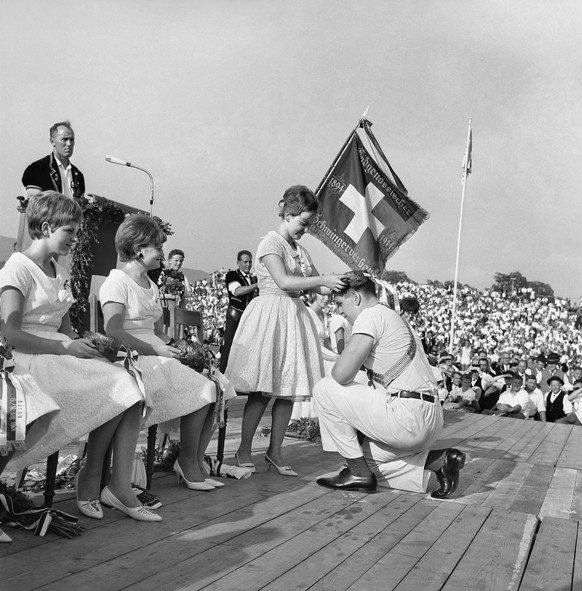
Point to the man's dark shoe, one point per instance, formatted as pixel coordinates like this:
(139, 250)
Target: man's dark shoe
(345, 480)
(448, 474)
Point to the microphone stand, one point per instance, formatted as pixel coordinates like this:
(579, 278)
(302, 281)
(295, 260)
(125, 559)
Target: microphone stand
(114, 160)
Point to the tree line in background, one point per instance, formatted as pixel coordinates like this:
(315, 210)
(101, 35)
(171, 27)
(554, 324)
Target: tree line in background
(503, 282)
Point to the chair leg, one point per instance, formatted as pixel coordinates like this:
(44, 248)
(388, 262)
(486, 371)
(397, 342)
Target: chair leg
(222, 438)
(51, 476)
(105, 471)
(151, 453)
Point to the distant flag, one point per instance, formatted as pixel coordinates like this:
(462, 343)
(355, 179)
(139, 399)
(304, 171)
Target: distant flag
(468, 158)
(365, 211)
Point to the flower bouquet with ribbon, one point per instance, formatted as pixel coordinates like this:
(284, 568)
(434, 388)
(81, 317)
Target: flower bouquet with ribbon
(12, 405)
(16, 510)
(115, 350)
(108, 346)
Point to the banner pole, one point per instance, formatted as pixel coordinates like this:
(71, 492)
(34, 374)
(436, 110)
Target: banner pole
(340, 153)
(464, 183)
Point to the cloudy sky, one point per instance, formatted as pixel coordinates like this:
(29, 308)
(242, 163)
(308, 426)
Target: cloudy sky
(229, 102)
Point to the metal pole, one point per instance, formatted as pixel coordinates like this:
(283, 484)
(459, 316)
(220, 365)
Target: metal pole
(464, 184)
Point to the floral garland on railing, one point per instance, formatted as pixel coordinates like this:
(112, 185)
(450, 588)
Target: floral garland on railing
(96, 210)
(94, 214)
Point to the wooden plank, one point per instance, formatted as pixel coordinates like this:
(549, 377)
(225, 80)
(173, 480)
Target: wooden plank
(497, 556)
(432, 570)
(325, 560)
(551, 563)
(576, 511)
(549, 453)
(571, 456)
(537, 432)
(489, 477)
(517, 431)
(251, 544)
(506, 490)
(577, 574)
(389, 571)
(558, 501)
(276, 562)
(347, 573)
(542, 432)
(214, 511)
(531, 495)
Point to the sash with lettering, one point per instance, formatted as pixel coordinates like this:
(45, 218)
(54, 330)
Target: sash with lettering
(365, 211)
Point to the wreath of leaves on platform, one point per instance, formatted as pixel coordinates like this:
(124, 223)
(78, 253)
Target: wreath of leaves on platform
(94, 214)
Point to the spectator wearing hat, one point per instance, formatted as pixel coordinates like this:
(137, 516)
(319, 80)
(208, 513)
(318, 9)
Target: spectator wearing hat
(513, 402)
(557, 404)
(551, 370)
(575, 398)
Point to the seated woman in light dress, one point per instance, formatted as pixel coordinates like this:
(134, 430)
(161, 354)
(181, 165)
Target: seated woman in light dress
(94, 395)
(132, 312)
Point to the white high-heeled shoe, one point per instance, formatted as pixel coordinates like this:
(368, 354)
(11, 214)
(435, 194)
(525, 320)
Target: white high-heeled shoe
(140, 513)
(204, 485)
(4, 538)
(283, 470)
(214, 483)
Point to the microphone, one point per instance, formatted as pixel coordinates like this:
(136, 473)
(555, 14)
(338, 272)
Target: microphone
(115, 160)
(121, 162)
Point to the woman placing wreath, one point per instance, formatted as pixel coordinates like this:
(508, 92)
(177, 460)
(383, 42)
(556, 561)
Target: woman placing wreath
(275, 352)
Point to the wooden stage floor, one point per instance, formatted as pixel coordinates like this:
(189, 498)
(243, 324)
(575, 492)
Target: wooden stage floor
(512, 525)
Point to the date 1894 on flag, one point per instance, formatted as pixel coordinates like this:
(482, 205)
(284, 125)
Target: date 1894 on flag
(365, 211)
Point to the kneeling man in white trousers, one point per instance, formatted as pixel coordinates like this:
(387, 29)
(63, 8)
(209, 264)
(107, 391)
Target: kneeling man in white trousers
(395, 412)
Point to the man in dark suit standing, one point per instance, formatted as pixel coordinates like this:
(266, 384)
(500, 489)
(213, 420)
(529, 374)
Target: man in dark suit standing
(56, 172)
(242, 288)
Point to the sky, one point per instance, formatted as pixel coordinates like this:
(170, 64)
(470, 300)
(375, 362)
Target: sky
(227, 103)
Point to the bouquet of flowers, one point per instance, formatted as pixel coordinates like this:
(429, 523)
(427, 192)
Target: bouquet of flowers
(5, 351)
(172, 282)
(192, 354)
(106, 345)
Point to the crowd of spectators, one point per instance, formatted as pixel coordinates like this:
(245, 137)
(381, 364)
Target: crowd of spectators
(489, 321)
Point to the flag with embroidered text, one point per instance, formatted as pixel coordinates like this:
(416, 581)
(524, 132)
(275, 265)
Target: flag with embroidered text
(365, 213)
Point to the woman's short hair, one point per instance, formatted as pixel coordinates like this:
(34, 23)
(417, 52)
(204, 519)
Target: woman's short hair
(297, 200)
(176, 251)
(52, 207)
(136, 232)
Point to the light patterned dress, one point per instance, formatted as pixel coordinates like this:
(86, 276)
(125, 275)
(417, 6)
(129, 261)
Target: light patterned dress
(172, 389)
(276, 349)
(89, 392)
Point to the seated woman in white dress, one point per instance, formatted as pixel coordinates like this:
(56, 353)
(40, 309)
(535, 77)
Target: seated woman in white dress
(25, 414)
(133, 313)
(94, 395)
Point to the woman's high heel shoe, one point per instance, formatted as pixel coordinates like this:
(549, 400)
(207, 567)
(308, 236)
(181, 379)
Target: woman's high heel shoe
(204, 485)
(138, 513)
(90, 508)
(283, 470)
(248, 465)
(4, 538)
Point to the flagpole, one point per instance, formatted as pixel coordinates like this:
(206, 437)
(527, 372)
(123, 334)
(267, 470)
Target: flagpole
(464, 184)
(340, 153)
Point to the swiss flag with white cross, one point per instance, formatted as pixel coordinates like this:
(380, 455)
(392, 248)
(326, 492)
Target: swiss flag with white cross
(365, 213)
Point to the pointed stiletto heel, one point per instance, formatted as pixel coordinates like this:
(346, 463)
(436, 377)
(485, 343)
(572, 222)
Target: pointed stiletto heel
(4, 538)
(248, 465)
(283, 470)
(140, 513)
(204, 485)
(91, 507)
